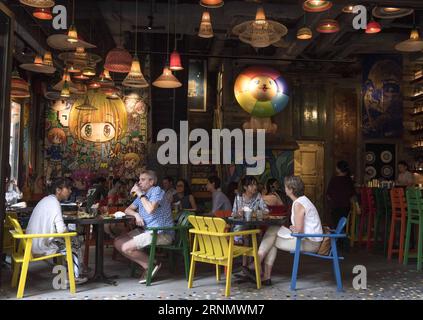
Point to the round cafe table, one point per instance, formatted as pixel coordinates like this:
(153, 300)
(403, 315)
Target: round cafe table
(98, 225)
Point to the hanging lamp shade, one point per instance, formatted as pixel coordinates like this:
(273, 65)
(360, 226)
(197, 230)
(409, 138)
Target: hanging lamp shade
(43, 14)
(72, 34)
(167, 80)
(260, 32)
(206, 29)
(89, 72)
(413, 44)
(65, 79)
(212, 3)
(86, 105)
(348, 8)
(135, 78)
(19, 87)
(391, 12)
(38, 3)
(38, 66)
(175, 61)
(304, 33)
(48, 59)
(328, 26)
(60, 42)
(81, 77)
(73, 69)
(316, 5)
(94, 84)
(118, 60)
(373, 27)
(65, 92)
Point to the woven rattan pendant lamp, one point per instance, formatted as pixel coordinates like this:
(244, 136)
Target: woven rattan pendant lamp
(118, 59)
(167, 80)
(135, 78)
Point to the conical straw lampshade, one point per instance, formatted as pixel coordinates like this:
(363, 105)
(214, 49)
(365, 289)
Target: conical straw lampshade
(167, 80)
(38, 66)
(48, 59)
(175, 61)
(206, 29)
(65, 92)
(135, 78)
(19, 87)
(72, 34)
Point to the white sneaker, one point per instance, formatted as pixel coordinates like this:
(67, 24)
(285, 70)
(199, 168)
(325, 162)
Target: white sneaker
(79, 280)
(153, 273)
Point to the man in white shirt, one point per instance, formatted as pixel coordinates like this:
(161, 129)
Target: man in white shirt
(47, 218)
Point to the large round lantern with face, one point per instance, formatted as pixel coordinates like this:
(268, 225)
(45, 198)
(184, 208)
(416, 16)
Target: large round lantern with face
(262, 92)
(97, 119)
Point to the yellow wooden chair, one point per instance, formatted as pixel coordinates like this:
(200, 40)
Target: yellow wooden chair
(7, 237)
(22, 256)
(215, 246)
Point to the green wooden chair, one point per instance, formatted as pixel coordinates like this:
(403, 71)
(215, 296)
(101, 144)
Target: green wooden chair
(414, 216)
(180, 244)
(383, 211)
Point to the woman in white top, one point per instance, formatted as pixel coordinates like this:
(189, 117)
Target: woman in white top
(304, 219)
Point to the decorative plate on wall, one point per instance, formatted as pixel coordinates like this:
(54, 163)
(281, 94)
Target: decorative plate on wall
(387, 172)
(370, 157)
(386, 156)
(371, 172)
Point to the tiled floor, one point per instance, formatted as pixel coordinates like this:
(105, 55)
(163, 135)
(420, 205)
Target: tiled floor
(385, 280)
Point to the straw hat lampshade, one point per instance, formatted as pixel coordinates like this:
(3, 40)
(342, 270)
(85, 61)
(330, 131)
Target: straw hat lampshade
(39, 66)
(167, 80)
(206, 29)
(38, 3)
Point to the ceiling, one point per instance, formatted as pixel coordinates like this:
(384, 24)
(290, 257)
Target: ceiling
(108, 23)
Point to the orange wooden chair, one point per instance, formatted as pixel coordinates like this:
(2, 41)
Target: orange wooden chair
(399, 215)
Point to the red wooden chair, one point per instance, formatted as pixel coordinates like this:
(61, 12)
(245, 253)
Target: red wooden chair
(399, 215)
(368, 212)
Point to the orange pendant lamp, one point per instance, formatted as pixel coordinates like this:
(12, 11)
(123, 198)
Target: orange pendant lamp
(328, 26)
(316, 5)
(373, 27)
(43, 14)
(212, 3)
(175, 58)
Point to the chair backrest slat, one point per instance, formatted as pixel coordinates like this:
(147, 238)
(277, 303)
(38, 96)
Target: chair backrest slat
(18, 229)
(414, 201)
(211, 246)
(398, 203)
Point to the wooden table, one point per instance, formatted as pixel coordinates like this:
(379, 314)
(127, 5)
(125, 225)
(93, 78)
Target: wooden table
(98, 224)
(273, 221)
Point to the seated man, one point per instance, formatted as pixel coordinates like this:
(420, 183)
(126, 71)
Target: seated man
(150, 209)
(47, 218)
(219, 200)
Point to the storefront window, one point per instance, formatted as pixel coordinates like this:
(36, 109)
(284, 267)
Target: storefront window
(15, 122)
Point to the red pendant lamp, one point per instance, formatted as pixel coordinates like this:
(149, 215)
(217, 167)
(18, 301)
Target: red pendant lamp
(373, 27)
(175, 58)
(211, 3)
(43, 14)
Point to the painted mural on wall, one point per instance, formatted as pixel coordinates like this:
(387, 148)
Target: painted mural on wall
(381, 94)
(96, 136)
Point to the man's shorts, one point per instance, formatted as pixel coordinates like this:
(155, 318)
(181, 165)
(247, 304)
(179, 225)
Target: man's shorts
(144, 238)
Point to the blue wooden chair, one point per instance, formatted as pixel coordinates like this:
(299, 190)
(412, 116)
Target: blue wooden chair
(333, 254)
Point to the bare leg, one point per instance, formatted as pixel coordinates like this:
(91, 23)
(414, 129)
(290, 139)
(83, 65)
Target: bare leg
(128, 248)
